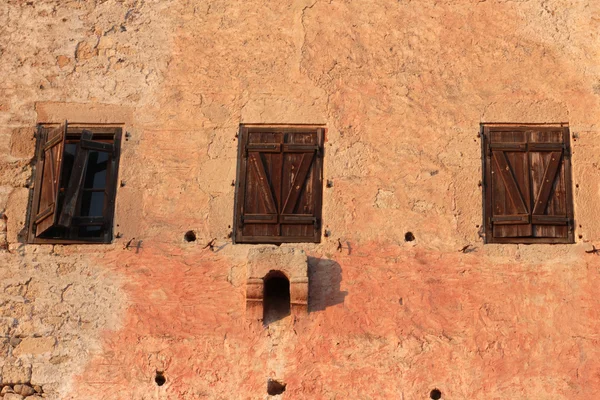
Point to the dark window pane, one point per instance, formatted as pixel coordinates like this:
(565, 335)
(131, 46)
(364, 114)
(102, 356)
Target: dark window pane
(92, 204)
(68, 160)
(91, 231)
(55, 232)
(95, 174)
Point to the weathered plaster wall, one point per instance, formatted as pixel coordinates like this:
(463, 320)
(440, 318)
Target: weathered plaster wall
(402, 87)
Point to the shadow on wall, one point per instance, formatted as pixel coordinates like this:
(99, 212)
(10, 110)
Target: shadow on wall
(324, 277)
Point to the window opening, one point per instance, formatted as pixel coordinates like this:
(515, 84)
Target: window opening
(279, 184)
(276, 298)
(75, 187)
(527, 184)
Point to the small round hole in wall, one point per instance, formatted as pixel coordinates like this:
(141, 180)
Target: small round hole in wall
(409, 237)
(190, 236)
(435, 394)
(159, 378)
(274, 387)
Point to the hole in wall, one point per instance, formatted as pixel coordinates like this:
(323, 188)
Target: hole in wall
(159, 378)
(435, 394)
(276, 297)
(190, 236)
(409, 237)
(274, 387)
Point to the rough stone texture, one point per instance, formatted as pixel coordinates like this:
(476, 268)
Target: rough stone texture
(287, 261)
(13, 396)
(402, 86)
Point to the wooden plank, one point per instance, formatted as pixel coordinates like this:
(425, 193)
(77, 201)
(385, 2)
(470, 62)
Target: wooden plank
(509, 182)
(508, 146)
(297, 219)
(263, 182)
(546, 147)
(73, 189)
(300, 148)
(51, 166)
(260, 218)
(511, 219)
(299, 183)
(240, 192)
(112, 179)
(550, 220)
(264, 147)
(97, 146)
(547, 183)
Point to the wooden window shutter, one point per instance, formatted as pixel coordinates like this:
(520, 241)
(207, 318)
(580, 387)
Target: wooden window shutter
(50, 166)
(280, 185)
(528, 194)
(74, 187)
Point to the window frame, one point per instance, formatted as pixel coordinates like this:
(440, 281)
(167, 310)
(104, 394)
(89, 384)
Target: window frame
(485, 132)
(74, 132)
(241, 181)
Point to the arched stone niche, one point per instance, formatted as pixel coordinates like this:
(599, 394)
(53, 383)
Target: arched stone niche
(269, 261)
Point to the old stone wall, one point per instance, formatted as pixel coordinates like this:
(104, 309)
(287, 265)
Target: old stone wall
(402, 87)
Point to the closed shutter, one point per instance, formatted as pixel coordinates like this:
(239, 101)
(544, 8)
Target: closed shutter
(528, 185)
(50, 165)
(280, 185)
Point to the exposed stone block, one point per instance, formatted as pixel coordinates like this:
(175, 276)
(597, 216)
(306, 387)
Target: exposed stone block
(34, 346)
(13, 396)
(13, 374)
(290, 262)
(24, 390)
(22, 143)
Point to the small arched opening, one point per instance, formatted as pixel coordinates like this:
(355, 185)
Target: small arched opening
(276, 297)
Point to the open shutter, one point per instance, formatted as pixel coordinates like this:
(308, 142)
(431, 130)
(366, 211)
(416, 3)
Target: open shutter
(49, 185)
(280, 182)
(75, 185)
(527, 174)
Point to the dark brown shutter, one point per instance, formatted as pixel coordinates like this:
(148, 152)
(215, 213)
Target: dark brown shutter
(280, 186)
(73, 189)
(528, 194)
(552, 215)
(50, 164)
